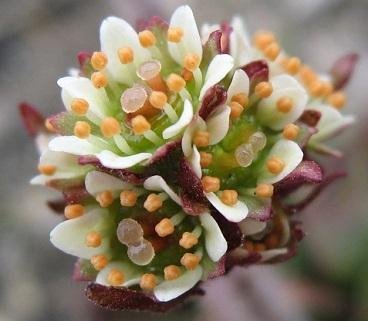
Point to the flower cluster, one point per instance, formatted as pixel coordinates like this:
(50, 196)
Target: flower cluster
(181, 155)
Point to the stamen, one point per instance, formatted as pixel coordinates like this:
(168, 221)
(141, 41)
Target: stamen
(79, 106)
(258, 141)
(236, 110)
(201, 138)
(290, 131)
(262, 39)
(263, 89)
(105, 199)
(153, 202)
(187, 75)
(175, 34)
(191, 61)
(133, 99)
(158, 99)
(99, 261)
(206, 159)
(171, 272)
(284, 104)
(241, 98)
(316, 88)
(292, 65)
(337, 99)
(148, 282)
(275, 165)
(264, 190)
(122, 144)
(126, 55)
(229, 197)
(147, 38)
(141, 253)
(149, 71)
(140, 125)
(327, 88)
(99, 80)
(115, 277)
(99, 60)
(307, 74)
(210, 184)
(93, 239)
(73, 211)
(153, 137)
(244, 155)
(175, 83)
(165, 227)
(190, 261)
(129, 231)
(82, 129)
(47, 169)
(128, 198)
(188, 240)
(110, 127)
(272, 51)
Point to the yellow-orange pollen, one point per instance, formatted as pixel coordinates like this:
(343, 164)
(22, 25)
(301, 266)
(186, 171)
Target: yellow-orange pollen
(264, 190)
(191, 61)
(284, 104)
(229, 197)
(206, 159)
(292, 65)
(73, 211)
(316, 88)
(272, 51)
(201, 138)
(93, 239)
(99, 80)
(47, 169)
(79, 106)
(148, 282)
(115, 277)
(153, 202)
(165, 227)
(147, 38)
(99, 261)
(128, 198)
(337, 99)
(241, 98)
(158, 99)
(171, 272)
(175, 83)
(275, 165)
(126, 55)
(263, 89)
(262, 39)
(290, 131)
(175, 34)
(190, 261)
(105, 198)
(307, 74)
(188, 240)
(140, 125)
(110, 127)
(82, 129)
(210, 184)
(98, 60)
(236, 110)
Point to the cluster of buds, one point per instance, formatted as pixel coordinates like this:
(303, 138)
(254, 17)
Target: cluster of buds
(182, 154)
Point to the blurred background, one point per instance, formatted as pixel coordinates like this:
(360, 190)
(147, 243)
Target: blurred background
(39, 40)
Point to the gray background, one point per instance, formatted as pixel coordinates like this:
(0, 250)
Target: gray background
(39, 40)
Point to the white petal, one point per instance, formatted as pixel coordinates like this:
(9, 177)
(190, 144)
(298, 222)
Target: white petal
(73, 145)
(239, 84)
(111, 160)
(186, 143)
(195, 162)
(270, 254)
(191, 40)
(98, 182)
(169, 290)
(183, 121)
(216, 245)
(331, 122)
(42, 141)
(218, 124)
(290, 153)
(234, 213)
(250, 226)
(70, 235)
(217, 70)
(240, 47)
(157, 183)
(284, 86)
(131, 275)
(116, 33)
(206, 30)
(81, 87)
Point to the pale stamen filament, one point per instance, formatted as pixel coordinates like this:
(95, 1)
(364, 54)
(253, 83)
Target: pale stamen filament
(123, 145)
